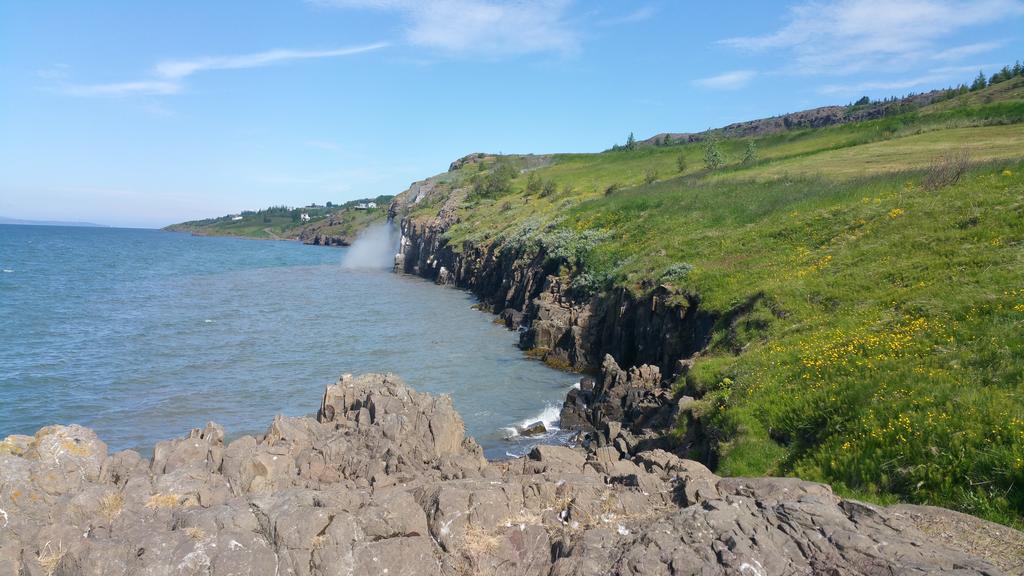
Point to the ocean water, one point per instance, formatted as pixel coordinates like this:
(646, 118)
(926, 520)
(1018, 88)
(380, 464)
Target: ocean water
(143, 335)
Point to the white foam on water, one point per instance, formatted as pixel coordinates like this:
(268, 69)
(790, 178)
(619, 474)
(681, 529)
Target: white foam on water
(8, 270)
(551, 416)
(208, 321)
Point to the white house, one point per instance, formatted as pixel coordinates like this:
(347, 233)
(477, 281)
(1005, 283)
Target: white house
(304, 217)
(371, 205)
(236, 218)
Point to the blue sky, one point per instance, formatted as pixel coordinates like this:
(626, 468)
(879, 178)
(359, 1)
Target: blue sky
(144, 113)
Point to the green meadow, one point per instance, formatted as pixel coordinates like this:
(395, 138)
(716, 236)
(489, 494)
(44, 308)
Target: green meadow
(869, 278)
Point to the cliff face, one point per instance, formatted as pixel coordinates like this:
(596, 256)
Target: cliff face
(563, 329)
(653, 336)
(384, 481)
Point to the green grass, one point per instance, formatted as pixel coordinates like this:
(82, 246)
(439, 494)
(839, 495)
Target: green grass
(349, 223)
(882, 347)
(910, 152)
(885, 357)
(1002, 92)
(251, 226)
(907, 141)
(282, 223)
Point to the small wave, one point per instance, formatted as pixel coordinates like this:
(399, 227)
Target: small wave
(551, 416)
(208, 321)
(8, 270)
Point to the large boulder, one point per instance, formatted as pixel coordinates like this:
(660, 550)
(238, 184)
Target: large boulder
(65, 458)
(536, 429)
(423, 425)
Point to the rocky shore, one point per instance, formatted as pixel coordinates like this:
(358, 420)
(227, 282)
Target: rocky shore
(652, 337)
(660, 329)
(384, 481)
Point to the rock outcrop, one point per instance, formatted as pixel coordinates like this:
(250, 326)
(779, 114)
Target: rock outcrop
(384, 481)
(634, 401)
(658, 328)
(654, 336)
(804, 119)
(328, 232)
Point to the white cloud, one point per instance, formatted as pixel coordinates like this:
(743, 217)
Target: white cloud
(168, 76)
(176, 69)
(486, 27)
(727, 81)
(639, 15)
(145, 87)
(940, 76)
(849, 36)
(961, 52)
(55, 72)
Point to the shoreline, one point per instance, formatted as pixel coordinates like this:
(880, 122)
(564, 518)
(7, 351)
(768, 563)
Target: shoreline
(383, 478)
(320, 339)
(201, 234)
(632, 347)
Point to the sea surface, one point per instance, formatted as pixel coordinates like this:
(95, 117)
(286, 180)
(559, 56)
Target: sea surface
(143, 335)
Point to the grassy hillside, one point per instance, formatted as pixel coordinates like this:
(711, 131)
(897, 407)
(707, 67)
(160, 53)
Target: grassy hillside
(284, 223)
(870, 278)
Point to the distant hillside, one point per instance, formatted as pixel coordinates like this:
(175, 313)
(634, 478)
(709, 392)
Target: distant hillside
(16, 221)
(999, 87)
(329, 225)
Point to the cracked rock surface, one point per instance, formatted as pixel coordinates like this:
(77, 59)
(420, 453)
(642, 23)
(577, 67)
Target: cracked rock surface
(384, 481)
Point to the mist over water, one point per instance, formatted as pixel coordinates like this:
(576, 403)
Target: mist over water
(374, 249)
(143, 335)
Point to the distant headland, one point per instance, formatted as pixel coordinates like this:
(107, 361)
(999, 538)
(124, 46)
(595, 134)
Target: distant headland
(18, 222)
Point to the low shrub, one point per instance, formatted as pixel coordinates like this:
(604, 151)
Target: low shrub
(946, 170)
